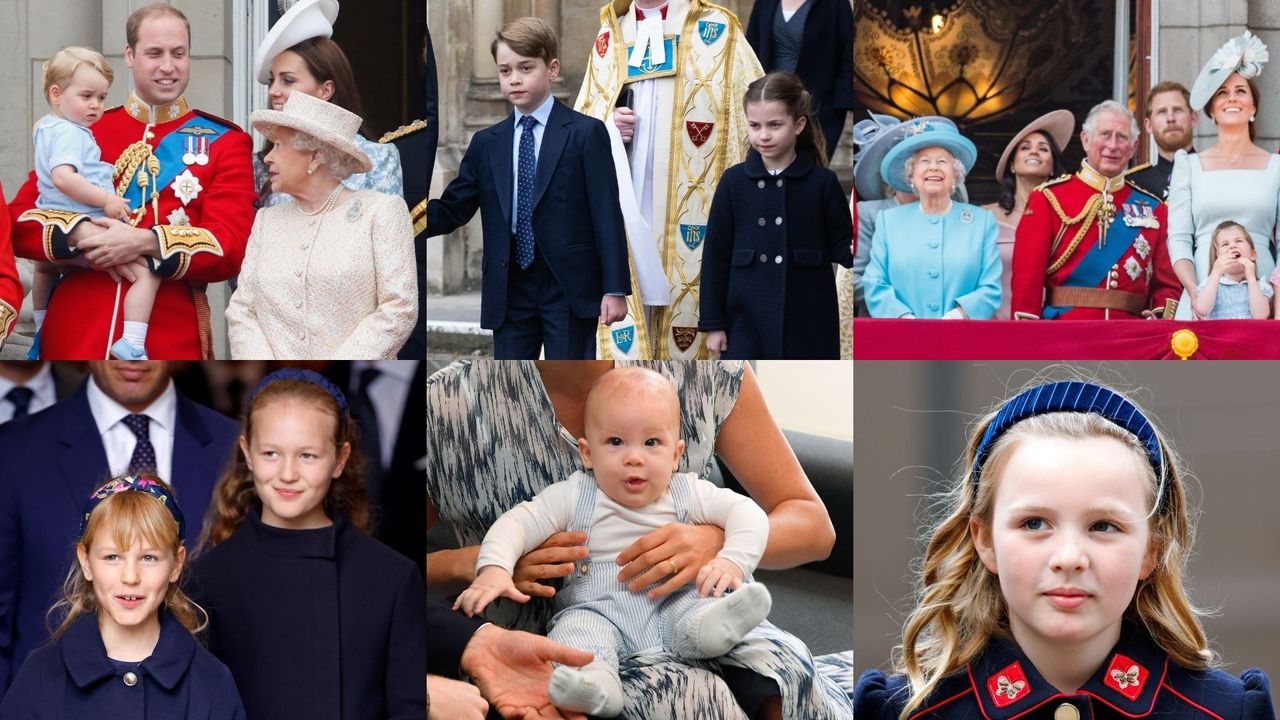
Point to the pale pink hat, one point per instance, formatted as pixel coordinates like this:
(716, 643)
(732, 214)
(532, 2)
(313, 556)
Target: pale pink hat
(330, 124)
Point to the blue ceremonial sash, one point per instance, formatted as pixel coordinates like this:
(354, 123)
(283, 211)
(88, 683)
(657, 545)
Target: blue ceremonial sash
(1095, 266)
(169, 152)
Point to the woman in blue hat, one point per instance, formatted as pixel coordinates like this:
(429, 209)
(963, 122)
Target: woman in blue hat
(1235, 179)
(936, 257)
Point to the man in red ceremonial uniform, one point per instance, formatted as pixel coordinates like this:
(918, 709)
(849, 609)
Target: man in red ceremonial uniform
(1091, 246)
(188, 177)
(11, 290)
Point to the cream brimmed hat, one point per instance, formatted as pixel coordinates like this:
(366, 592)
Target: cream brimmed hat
(1244, 54)
(330, 124)
(1058, 124)
(305, 20)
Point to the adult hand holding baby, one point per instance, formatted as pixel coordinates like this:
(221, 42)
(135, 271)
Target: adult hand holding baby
(552, 559)
(676, 551)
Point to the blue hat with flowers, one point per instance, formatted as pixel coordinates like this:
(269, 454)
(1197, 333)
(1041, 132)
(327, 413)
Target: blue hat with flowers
(921, 136)
(874, 137)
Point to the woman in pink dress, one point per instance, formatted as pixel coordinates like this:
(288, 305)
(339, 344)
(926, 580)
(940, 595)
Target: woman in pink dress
(1033, 156)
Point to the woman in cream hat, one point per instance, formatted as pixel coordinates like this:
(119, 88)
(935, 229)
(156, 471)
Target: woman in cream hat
(298, 56)
(330, 275)
(1233, 180)
(1033, 156)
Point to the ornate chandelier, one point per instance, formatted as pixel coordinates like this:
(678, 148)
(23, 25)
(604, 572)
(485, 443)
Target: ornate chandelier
(970, 60)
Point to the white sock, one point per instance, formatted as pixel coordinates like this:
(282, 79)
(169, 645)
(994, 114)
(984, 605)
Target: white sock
(595, 690)
(730, 618)
(136, 334)
(39, 316)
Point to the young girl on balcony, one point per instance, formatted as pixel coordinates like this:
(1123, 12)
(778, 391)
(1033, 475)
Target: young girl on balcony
(1054, 586)
(1232, 291)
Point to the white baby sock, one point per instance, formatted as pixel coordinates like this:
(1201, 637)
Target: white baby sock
(595, 690)
(136, 334)
(727, 620)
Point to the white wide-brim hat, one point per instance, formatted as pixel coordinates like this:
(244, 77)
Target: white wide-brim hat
(305, 20)
(331, 124)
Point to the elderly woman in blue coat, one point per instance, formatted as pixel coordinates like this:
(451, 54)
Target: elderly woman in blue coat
(937, 257)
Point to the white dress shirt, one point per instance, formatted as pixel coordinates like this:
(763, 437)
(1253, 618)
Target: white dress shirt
(118, 440)
(389, 393)
(42, 385)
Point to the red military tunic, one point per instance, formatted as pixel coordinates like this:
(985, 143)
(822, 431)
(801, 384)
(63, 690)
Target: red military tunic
(1061, 228)
(201, 218)
(11, 290)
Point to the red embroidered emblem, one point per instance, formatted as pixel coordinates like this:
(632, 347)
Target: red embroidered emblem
(684, 336)
(602, 43)
(1008, 686)
(699, 132)
(1126, 677)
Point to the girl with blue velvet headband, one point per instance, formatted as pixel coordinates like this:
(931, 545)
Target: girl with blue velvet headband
(124, 644)
(1054, 585)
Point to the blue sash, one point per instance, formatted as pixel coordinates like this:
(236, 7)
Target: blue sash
(169, 152)
(1095, 266)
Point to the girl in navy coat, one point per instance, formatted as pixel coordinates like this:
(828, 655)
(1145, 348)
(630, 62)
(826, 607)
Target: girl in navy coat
(777, 223)
(124, 646)
(317, 620)
(1054, 588)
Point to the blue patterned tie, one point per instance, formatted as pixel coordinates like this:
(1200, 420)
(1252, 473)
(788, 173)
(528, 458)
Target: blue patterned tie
(144, 453)
(524, 194)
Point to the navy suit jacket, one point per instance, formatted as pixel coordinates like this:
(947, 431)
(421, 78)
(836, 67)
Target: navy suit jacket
(49, 464)
(577, 223)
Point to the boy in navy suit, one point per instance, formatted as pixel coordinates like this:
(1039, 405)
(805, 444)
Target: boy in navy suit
(555, 255)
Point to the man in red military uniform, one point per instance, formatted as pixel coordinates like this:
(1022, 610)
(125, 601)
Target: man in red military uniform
(188, 177)
(1091, 246)
(11, 290)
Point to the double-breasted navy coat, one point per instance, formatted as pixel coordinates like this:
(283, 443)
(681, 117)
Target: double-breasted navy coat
(767, 279)
(73, 679)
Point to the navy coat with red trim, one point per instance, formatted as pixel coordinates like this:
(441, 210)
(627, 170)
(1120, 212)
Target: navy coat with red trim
(1138, 680)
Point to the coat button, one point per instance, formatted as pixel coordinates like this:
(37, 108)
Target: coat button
(1066, 711)
(933, 221)
(760, 184)
(933, 306)
(760, 222)
(130, 679)
(778, 220)
(298, 272)
(305, 246)
(779, 182)
(777, 260)
(764, 258)
(933, 245)
(584, 568)
(298, 304)
(933, 273)
(1115, 284)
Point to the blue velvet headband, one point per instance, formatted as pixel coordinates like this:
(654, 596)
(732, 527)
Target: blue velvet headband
(1072, 396)
(310, 376)
(135, 483)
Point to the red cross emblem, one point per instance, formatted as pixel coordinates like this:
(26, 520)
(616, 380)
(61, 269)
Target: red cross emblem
(698, 131)
(602, 43)
(684, 336)
(1126, 677)
(1008, 686)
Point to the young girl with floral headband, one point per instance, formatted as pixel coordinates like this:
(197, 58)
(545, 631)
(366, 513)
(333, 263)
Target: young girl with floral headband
(317, 620)
(123, 647)
(1054, 586)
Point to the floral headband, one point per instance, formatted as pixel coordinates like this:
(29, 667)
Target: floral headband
(1073, 396)
(310, 376)
(1244, 54)
(135, 483)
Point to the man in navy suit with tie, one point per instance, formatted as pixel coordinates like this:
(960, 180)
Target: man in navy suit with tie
(124, 418)
(555, 255)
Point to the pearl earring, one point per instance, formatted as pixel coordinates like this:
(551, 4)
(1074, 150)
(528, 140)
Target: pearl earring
(310, 170)
(1252, 118)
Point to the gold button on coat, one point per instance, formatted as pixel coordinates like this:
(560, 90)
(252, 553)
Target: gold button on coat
(1066, 711)
(130, 679)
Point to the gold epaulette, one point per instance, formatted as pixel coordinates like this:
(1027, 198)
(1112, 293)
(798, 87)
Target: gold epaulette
(403, 130)
(1137, 169)
(1054, 181)
(7, 316)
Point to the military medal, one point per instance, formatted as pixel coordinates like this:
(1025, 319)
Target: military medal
(202, 157)
(189, 157)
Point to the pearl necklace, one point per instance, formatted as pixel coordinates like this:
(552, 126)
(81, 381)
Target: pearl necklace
(326, 206)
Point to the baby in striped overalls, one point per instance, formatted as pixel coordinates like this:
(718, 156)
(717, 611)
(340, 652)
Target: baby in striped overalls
(630, 488)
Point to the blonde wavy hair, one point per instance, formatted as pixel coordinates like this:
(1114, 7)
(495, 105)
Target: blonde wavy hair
(959, 606)
(126, 514)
